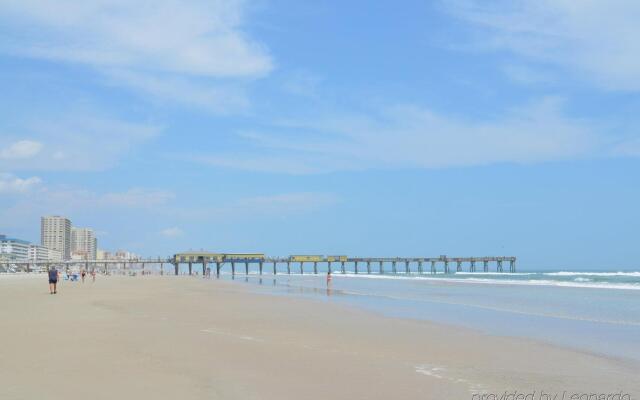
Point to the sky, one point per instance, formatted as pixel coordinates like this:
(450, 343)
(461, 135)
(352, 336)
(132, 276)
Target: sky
(466, 128)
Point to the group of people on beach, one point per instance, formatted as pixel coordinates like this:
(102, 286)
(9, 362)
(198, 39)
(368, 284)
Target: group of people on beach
(54, 276)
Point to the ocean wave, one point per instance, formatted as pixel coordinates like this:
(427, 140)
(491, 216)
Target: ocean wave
(585, 273)
(498, 273)
(529, 282)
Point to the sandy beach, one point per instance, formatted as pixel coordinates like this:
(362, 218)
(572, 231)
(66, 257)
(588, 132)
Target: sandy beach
(187, 338)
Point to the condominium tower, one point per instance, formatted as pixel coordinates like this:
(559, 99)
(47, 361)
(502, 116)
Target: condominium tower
(83, 243)
(55, 233)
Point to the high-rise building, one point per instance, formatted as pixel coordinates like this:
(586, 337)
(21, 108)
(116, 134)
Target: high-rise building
(83, 243)
(55, 234)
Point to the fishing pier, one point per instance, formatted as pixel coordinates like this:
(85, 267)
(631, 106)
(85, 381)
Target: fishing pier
(296, 264)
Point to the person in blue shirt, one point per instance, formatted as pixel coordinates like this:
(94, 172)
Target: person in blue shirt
(53, 280)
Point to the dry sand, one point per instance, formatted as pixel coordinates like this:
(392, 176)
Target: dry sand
(187, 338)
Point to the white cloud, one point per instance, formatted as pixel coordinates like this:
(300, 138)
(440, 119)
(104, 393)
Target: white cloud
(20, 150)
(413, 137)
(172, 89)
(172, 232)
(36, 200)
(187, 37)
(10, 183)
(167, 50)
(596, 39)
(77, 140)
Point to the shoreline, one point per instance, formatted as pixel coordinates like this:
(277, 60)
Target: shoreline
(231, 339)
(629, 362)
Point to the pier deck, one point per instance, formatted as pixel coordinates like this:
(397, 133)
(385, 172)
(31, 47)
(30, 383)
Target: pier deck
(286, 265)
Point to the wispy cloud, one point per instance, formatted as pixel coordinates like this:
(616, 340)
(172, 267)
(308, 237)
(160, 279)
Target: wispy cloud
(595, 39)
(302, 83)
(166, 49)
(10, 183)
(172, 232)
(172, 89)
(75, 139)
(36, 199)
(413, 137)
(195, 37)
(20, 150)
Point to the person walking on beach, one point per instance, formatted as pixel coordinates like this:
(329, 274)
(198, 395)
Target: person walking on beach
(93, 275)
(83, 273)
(53, 280)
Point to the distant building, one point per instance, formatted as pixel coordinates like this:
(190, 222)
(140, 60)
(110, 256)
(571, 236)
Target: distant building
(38, 253)
(55, 234)
(120, 255)
(103, 255)
(12, 249)
(54, 255)
(84, 244)
(125, 255)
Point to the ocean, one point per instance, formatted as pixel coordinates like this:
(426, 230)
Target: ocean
(596, 312)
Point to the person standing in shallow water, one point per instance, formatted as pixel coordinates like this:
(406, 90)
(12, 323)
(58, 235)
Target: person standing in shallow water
(53, 280)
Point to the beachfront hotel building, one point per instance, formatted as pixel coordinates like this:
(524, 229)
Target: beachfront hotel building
(55, 234)
(84, 244)
(38, 253)
(54, 255)
(12, 249)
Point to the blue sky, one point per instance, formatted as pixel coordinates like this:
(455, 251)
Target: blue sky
(414, 128)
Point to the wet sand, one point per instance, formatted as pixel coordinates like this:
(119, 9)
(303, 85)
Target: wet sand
(188, 338)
